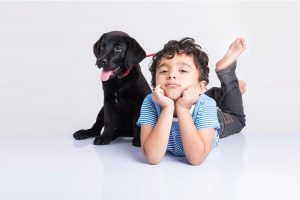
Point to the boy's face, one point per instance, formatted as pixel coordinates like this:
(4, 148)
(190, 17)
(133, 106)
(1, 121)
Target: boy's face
(177, 74)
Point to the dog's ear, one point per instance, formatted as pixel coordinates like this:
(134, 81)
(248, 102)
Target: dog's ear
(135, 53)
(96, 47)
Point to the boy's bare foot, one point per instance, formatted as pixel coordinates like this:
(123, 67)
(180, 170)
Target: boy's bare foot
(234, 51)
(242, 85)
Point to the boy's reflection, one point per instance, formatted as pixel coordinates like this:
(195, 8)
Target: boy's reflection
(229, 165)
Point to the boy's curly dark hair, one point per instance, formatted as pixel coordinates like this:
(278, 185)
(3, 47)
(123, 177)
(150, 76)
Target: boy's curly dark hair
(186, 46)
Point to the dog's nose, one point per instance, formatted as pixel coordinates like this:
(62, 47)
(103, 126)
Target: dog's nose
(103, 61)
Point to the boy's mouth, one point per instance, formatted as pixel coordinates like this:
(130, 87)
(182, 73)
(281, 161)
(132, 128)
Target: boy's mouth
(172, 85)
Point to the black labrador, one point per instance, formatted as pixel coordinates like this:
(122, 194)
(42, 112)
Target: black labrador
(124, 88)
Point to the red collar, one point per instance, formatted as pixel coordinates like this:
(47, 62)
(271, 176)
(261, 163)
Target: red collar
(127, 71)
(124, 74)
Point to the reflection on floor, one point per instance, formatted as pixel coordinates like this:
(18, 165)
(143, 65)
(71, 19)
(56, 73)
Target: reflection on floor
(243, 166)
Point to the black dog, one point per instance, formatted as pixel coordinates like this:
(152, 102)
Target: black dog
(124, 88)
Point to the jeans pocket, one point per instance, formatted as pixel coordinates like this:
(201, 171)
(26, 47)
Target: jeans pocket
(227, 118)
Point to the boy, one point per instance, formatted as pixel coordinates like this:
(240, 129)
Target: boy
(175, 117)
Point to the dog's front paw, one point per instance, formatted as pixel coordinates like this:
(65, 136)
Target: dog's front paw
(136, 142)
(83, 134)
(100, 140)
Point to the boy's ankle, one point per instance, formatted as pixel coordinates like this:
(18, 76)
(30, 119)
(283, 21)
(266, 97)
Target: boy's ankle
(223, 65)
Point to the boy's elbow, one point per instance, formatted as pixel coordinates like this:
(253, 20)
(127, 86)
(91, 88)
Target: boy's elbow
(153, 160)
(195, 161)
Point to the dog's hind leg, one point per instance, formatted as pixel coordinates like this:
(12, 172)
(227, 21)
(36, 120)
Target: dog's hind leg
(94, 131)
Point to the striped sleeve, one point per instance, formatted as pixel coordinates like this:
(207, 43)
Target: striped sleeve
(207, 115)
(148, 114)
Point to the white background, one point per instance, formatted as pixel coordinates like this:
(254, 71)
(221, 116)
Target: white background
(50, 87)
(50, 84)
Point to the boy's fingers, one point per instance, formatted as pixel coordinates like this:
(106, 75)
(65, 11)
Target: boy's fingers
(183, 92)
(158, 90)
(189, 90)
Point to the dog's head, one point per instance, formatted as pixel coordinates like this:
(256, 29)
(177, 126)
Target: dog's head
(117, 53)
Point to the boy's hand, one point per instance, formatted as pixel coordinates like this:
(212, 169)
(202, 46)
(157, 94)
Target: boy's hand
(160, 98)
(188, 98)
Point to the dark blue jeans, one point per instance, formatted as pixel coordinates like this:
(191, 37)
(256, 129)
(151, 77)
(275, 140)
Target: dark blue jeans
(229, 100)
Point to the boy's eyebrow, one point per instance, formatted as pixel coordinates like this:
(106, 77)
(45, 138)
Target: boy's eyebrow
(161, 65)
(184, 63)
(178, 63)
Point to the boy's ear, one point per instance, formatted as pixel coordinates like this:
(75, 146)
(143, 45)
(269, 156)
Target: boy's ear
(202, 85)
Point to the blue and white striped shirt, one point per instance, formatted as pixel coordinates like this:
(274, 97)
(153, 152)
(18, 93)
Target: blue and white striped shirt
(204, 115)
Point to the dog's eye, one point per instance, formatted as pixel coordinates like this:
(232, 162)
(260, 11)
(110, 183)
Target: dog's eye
(118, 48)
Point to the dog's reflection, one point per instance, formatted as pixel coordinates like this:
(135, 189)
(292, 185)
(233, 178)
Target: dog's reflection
(126, 173)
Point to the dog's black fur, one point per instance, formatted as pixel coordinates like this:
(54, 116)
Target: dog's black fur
(124, 93)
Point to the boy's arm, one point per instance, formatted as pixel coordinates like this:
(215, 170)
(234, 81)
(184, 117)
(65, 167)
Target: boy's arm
(154, 140)
(196, 142)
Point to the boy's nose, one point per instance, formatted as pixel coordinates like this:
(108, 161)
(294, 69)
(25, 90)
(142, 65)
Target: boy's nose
(171, 77)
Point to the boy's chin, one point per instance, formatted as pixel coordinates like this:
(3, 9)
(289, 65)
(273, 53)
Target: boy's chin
(174, 96)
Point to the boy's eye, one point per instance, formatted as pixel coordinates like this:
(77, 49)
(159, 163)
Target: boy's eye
(183, 71)
(163, 71)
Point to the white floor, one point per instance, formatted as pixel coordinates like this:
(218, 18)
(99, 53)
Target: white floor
(244, 166)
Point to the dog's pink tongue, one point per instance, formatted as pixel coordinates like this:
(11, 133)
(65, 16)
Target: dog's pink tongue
(105, 75)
